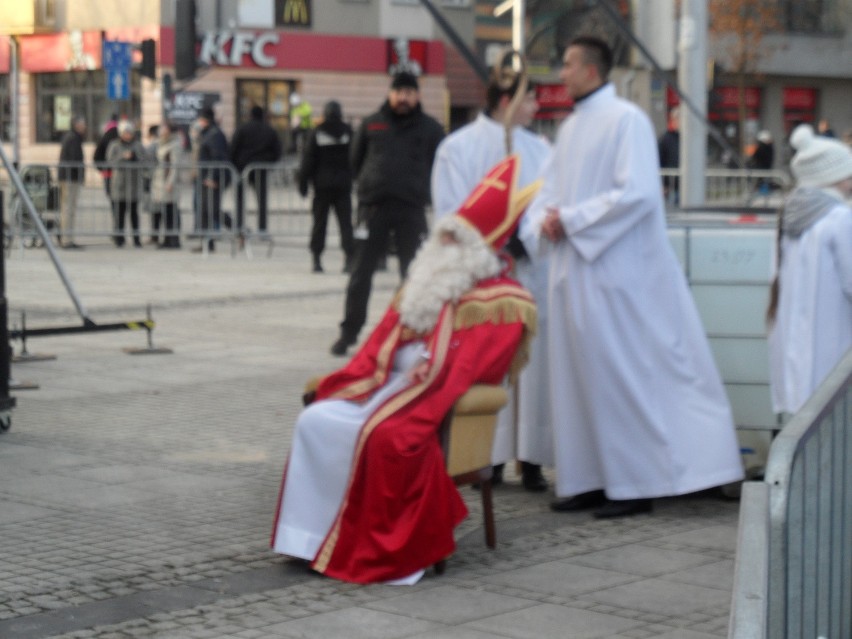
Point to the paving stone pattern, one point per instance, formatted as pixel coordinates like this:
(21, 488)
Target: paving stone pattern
(137, 491)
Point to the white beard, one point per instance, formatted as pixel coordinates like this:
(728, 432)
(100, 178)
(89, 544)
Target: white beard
(443, 273)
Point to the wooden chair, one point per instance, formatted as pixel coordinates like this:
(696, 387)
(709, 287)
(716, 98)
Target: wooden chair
(467, 436)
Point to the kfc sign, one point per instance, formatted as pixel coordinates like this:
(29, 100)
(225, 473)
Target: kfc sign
(229, 48)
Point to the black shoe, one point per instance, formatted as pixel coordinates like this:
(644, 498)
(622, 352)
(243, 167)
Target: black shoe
(624, 508)
(137, 243)
(317, 264)
(339, 347)
(532, 479)
(583, 501)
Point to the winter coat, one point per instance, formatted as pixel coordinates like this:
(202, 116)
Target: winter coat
(392, 156)
(325, 160)
(255, 141)
(165, 172)
(127, 172)
(70, 154)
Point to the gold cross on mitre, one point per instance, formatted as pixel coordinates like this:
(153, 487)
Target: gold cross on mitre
(487, 183)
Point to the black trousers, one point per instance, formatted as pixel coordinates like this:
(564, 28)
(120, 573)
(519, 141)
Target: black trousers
(121, 209)
(211, 207)
(171, 224)
(257, 179)
(408, 225)
(341, 201)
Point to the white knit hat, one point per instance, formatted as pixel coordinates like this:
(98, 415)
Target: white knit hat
(819, 161)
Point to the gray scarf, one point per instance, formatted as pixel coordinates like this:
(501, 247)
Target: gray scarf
(804, 207)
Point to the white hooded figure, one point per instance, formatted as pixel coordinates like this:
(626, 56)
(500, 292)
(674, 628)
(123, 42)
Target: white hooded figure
(810, 311)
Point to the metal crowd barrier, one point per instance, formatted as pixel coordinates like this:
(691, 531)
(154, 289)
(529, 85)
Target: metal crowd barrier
(793, 576)
(288, 218)
(740, 187)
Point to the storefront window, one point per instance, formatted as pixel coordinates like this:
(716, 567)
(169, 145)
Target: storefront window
(60, 96)
(273, 96)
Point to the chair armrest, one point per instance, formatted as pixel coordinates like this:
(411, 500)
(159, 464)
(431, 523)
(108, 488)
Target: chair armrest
(481, 399)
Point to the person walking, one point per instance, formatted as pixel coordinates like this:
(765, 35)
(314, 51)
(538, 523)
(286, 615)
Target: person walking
(164, 183)
(214, 177)
(810, 310)
(71, 175)
(254, 141)
(638, 405)
(127, 157)
(325, 165)
(524, 429)
(392, 157)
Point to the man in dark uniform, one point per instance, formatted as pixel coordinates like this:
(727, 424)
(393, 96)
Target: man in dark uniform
(392, 159)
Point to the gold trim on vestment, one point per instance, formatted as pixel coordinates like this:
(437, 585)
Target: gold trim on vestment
(377, 379)
(438, 347)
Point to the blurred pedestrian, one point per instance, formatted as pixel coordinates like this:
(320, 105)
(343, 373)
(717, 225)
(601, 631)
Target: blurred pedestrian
(638, 404)
(810, 309)
(524, 429)
(254, 141)
(71, 176)
(127, 157)
(392, 157)
(110, 133)
(301, 122)
(164, 184)
(151, 159)
(824, 128)
(325, 165)
(213, 173)
(668, 147)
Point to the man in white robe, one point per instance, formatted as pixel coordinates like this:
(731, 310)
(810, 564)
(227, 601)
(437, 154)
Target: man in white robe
(639, 407)
(810, 312)
(462, 159)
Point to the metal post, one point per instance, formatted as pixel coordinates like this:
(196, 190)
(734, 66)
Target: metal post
(692, 76)
(6, 402)
(27, 203)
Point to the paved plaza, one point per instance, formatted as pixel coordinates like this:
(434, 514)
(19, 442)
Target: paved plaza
(137, 490)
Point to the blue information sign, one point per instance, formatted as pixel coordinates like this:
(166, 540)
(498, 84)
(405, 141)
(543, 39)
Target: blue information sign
(118, 84)
(116, 55)
(116, 62)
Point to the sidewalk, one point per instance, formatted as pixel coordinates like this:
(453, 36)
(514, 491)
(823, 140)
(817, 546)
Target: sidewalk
(137, 491)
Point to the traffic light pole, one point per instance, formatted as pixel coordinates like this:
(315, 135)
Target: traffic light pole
(6, 402)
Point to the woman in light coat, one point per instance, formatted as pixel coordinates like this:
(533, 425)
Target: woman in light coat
(164, 184)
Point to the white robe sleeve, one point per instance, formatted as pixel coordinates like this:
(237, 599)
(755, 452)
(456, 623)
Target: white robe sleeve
(843, 254)
(449, 182)
(596, 223)
(529, 229)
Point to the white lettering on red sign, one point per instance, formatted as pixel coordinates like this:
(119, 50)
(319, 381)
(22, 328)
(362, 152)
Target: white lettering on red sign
(227, 48)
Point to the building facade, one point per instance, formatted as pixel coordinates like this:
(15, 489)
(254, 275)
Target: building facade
(272, 53)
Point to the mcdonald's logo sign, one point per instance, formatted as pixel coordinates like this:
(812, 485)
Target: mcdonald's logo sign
(293, 13)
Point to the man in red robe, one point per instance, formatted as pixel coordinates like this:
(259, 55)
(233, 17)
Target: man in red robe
(366, 496)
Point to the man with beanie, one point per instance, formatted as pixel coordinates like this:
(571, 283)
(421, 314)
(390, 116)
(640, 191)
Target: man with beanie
(254, 141)
(366, 496)
(325, 164)
(391, 157)
(810, 308)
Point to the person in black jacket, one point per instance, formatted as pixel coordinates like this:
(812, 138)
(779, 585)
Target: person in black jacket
(325, 164)
(213, 175)
(254, 141)
(71, 175)
(392, 157)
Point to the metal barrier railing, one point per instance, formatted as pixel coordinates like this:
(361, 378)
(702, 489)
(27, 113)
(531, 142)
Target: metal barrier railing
(740, 187)
(287, 213)
(793, 576)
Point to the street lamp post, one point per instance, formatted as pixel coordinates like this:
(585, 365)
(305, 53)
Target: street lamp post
(692, 77)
